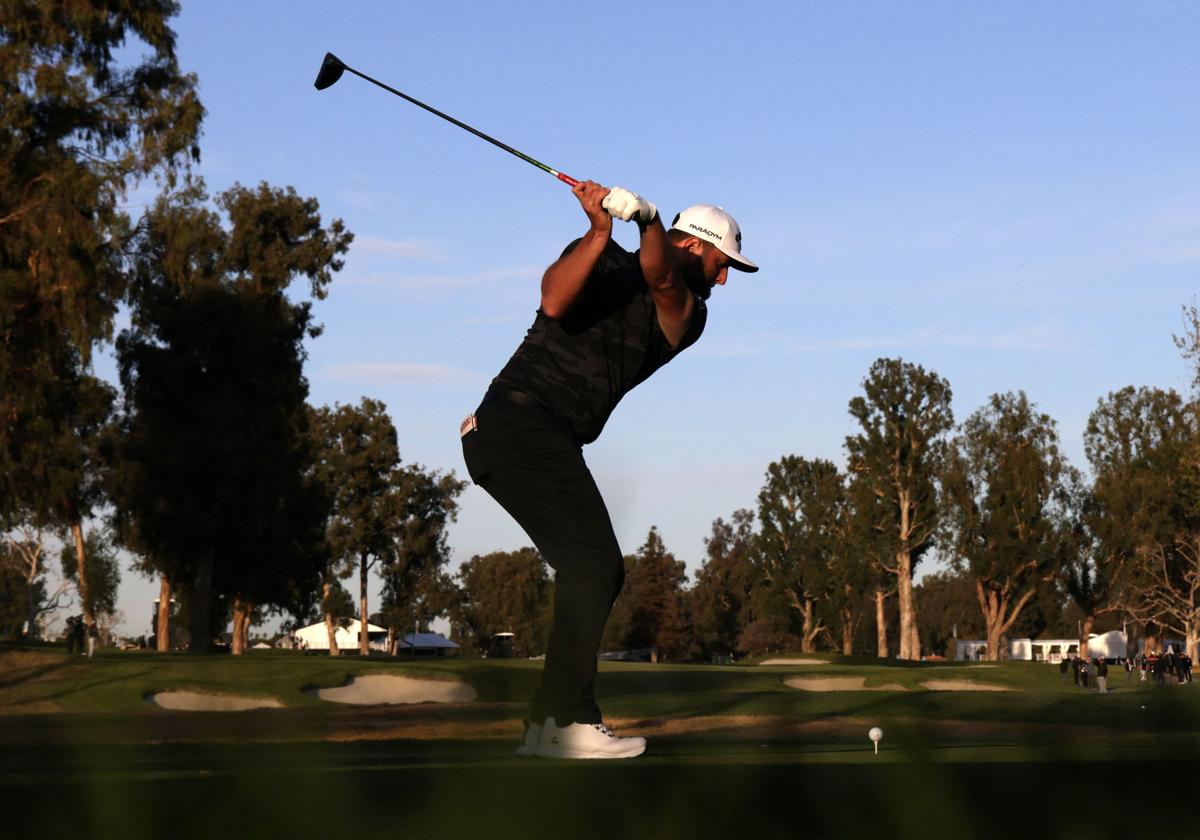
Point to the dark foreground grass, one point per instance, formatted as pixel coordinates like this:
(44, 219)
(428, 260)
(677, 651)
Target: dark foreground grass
(733, 751)
(686, 789)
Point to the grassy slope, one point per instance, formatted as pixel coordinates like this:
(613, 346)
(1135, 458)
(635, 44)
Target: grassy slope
(35, 680)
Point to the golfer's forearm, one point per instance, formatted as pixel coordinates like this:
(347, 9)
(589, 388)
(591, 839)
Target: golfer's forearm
(654, 255)
(565, 279)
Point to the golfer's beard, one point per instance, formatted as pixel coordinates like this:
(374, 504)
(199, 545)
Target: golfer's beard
(697, 282)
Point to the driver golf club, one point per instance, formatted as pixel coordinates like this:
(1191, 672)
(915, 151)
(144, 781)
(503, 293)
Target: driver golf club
(333, 67)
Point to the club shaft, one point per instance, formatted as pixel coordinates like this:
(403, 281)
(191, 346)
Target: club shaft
(566, 179)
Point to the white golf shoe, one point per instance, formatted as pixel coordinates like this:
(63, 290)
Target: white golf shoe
(586, 740)
(533, 736)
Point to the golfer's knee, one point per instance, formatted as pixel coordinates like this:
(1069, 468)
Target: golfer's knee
(599, 569)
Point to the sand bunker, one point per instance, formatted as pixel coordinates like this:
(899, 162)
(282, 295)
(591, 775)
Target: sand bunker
(795, 662)
(838, 684)
(195, 701)
(962, 685)
(387, 688)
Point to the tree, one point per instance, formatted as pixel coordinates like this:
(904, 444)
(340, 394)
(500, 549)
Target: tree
(1172, 593)
(800, 510)
(720, 596)
(24, 598)
(210, 467)
(769, 625)
(358, 459)
(337, 608)
(16, 596)
(868, 536)
(855, 574)
(1006, 508)
(76, 130)
(505, 592)
(103, 573)
(949, 610)
(1149, 442)
(416, 588)
(383, 513)
(1137, 441)
(1189, 342)
(650, 611)
(904, 417)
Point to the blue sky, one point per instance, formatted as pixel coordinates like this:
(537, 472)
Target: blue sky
(1008, 194)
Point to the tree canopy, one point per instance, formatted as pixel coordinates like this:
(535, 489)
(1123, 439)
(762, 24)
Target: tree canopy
(212, 457)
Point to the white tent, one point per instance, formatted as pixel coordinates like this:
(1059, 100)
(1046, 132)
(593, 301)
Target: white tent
(1110, 645)
(316, 637)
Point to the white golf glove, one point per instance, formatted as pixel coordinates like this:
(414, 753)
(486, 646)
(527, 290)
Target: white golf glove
(625, 205)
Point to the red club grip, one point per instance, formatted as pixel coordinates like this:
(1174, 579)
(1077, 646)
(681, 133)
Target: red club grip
(567, 179)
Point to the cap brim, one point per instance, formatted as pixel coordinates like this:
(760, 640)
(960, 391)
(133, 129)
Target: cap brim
(741, 263)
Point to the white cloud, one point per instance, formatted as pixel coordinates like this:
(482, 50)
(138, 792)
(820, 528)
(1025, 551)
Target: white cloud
(407, 249)
(361, 199)
(394, 372)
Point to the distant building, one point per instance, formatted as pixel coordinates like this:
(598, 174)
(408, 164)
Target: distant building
(1110, 645)
(425, 644)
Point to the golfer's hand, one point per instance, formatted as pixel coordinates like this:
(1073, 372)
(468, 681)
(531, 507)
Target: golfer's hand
(591, 197)
(625, 205)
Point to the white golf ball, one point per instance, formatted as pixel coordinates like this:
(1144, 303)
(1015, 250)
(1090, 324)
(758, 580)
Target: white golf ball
(876, 734)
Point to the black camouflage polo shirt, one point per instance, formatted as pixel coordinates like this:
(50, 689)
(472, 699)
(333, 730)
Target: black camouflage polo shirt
(581, 365)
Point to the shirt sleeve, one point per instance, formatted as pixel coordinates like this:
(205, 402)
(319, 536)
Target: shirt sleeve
(607, 258)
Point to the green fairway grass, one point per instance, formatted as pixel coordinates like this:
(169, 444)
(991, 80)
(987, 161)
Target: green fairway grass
(731, 748)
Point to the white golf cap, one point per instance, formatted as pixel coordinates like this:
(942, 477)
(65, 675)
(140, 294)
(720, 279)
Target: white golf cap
(712, 224)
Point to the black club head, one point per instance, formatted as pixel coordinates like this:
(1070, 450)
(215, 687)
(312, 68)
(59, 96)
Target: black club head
(331, 71)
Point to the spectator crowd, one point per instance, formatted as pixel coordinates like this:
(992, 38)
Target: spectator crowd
(1162, 668)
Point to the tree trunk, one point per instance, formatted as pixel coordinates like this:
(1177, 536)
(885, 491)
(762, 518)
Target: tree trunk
(1085, 631)
(163, 628)
(910, 646)
(881, 640)
(990, 606)
(200, 606)
(235, 636)
(330, 625)
(1151, 639)
(1192, 639)
(848, 625)
(391, 641)
(240, 617)
(363, 649)
(994, 638)
(85, 595)
(29, 628)
(32, 559)
(808, 633)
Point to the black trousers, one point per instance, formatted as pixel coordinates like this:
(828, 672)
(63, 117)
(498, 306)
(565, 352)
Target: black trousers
(524, 458)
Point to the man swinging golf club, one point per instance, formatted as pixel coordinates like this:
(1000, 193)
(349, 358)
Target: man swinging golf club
(608, 320)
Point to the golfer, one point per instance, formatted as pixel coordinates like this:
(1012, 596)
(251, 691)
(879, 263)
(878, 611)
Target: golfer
(608, 320)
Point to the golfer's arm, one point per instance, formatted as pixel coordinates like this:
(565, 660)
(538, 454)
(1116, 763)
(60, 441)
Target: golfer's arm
(565, 279)
(672, 300)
